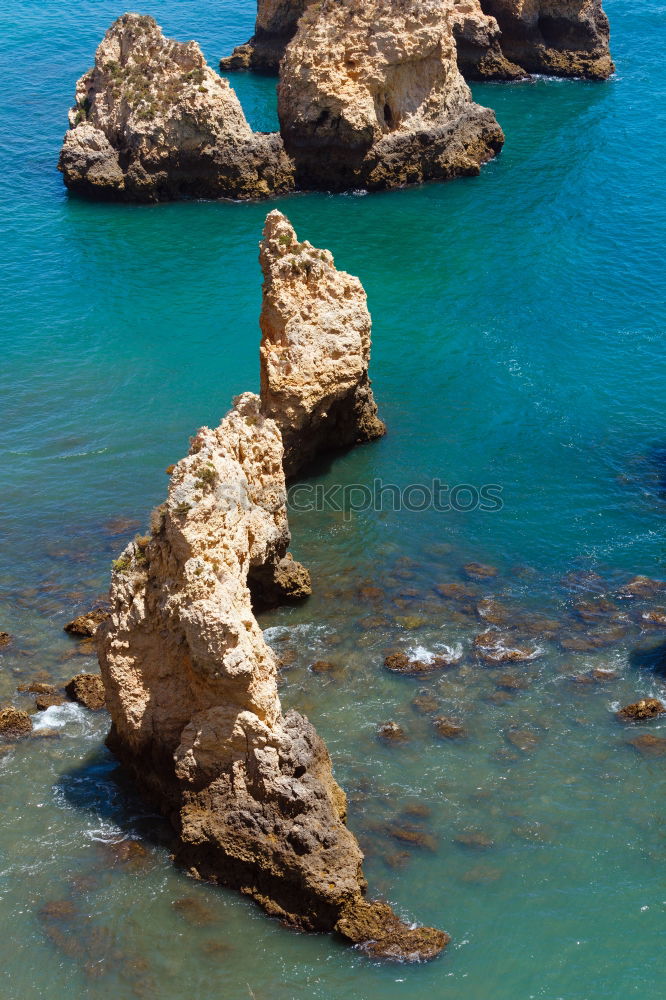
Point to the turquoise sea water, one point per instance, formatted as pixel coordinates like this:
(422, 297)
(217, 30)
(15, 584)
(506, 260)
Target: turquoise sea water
(518, 327)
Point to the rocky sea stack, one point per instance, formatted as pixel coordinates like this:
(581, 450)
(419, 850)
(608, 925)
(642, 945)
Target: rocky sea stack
(152, 121)
(191, 682)
(315, 349)
(495, 39)
(370, 96)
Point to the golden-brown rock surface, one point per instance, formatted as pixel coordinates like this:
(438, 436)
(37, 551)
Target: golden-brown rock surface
(191, 688)
(315, 349)
(152, 121)
(370, 96)
(496, 39)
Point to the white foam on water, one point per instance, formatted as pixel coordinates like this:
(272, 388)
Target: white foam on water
(70, 717)
(452, 653)
(106, 833)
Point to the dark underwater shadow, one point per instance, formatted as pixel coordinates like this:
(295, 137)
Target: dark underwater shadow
(650, 655)
(101, 786)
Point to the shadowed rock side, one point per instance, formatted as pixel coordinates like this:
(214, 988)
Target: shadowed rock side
(370, 96)
(496, 39)
(315, 349)
(556, 37)
(191, 688)
(275, 26)
(152, 121)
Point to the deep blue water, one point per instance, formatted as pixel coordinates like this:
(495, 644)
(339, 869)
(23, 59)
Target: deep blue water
(518, 340)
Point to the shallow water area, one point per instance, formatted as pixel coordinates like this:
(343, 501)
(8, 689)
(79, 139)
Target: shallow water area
(518, 330)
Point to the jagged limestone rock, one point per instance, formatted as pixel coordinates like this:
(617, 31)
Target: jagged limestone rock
(370, 96)
(315, 349)
(191, 688)
(152, 121)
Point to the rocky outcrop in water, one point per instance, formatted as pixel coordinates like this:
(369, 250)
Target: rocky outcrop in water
(315, 349)
(495, 39)
(276, 24)
(555, 37)
(152, 121)
(370, 96)
(191, 688)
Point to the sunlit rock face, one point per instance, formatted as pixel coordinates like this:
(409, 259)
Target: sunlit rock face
(315, 349)
(370, 96)
(191, 688)
(153, 121)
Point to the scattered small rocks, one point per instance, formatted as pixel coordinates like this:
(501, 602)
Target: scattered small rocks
(87, 690)
(14, 723)
(639, 711)
(87, 625)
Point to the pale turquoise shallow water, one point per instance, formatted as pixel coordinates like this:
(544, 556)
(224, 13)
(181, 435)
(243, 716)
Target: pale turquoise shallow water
(519, 320)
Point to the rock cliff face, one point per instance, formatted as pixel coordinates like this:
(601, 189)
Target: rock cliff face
(276, 25)
(370, 96)
(496, 39)
(558, 37)
(315, 349)
(191, 688)
(152, 121)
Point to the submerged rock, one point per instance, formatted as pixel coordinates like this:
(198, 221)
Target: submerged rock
(497, 647)
(641, 586)
(646, 708)
(152, 121)
(400, 663)
(448, 729)
(88, 624)
(5, 639)
(14, 724)
(315, 349)
(87, 690)
(191, 688)
(649, 745)
(479, 571)
(391, 732)
(370, 96)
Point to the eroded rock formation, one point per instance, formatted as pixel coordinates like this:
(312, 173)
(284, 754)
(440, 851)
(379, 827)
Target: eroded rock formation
(496, 39)
(315, 349)
(152, 121)
(191, 688)
(277, 21)
(370, 96)
(555, 37)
